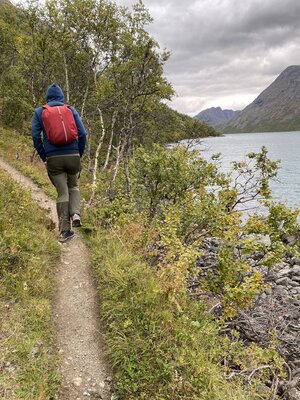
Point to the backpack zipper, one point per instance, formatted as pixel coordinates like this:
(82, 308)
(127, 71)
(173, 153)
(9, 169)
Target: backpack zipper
(63, 124)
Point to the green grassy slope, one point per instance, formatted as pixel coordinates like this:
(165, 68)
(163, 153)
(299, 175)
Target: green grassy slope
(28, 254)
(158, 352)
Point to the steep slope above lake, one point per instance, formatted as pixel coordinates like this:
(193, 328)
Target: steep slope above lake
(277, 108)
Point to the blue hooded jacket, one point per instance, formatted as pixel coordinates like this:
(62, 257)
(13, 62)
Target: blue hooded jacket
(55, 97)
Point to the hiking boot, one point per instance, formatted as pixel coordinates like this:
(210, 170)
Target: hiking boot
(76, 222)
(65, 235)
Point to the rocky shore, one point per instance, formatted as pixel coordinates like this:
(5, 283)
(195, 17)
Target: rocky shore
(275, 311)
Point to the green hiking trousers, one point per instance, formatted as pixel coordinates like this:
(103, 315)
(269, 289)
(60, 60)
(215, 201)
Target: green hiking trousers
(63, 171)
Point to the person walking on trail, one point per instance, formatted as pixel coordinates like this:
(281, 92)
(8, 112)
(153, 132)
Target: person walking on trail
(61, 147)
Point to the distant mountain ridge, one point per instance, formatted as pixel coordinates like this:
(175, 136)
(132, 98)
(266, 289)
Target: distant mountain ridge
(277, 108)
(215, 116)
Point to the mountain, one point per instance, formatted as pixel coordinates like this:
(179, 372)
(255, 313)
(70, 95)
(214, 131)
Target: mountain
(277, 108)
(215, 116)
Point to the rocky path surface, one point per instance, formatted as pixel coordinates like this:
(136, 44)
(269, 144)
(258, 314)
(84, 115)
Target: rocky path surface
(84, 369)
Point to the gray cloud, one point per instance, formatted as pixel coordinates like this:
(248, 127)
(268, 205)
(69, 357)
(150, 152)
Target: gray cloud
(224, 52)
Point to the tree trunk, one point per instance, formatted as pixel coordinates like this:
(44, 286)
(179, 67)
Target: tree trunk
(126, 165)
(32, 92)
(88, 150)
(67, 78)
(114, 118)
(120, 151)
(84, 101)
(95, 169)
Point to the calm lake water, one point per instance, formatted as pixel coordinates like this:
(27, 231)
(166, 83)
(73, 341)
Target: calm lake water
(284, 146)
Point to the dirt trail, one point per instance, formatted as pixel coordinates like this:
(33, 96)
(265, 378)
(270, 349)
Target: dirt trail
(84, 368)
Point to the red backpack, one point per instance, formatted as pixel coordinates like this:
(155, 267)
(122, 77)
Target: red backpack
(59, 124)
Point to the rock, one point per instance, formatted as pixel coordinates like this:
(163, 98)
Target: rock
(296, 270)
(292, 391)
(94, 393)
(77, 381)
(282, 281)
(295, 260)
(290, 239)
(36, 349)
(257, 255)
(102, 384)
(293, 283)
(292, 394)
(283, 272)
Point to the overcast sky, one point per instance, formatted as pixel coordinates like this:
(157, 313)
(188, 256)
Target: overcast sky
(224, 52)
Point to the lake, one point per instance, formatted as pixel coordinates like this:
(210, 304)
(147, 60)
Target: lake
(281, 145)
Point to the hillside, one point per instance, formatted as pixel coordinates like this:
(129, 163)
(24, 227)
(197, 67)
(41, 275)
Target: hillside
(277, 108)
(177, 271)
(215, 116)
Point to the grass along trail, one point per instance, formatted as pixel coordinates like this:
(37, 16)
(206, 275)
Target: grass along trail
(84, 368)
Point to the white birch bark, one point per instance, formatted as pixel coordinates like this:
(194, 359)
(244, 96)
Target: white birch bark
(120, 151)
(114, 118)
(95, 169)
(66, 78)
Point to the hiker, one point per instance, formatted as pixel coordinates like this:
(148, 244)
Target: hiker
(61, 148)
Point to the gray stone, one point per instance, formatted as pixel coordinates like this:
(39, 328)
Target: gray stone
(77, 381)
(94, 393)
(292, 394)
(280, 291)
(296, 270)
(295, 291)
(291, 240)
(284, 272)
(282, 281)
(257, 255)
(293, 284)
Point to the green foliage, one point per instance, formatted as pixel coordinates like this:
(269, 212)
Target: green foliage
(158, 351)
(162, 350)
(14, 104)
(163, 343)
(182, 200)
(28, 254)
(161, 177)
(104, 60)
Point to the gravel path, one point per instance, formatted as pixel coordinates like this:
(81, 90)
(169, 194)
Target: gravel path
(84, 367)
